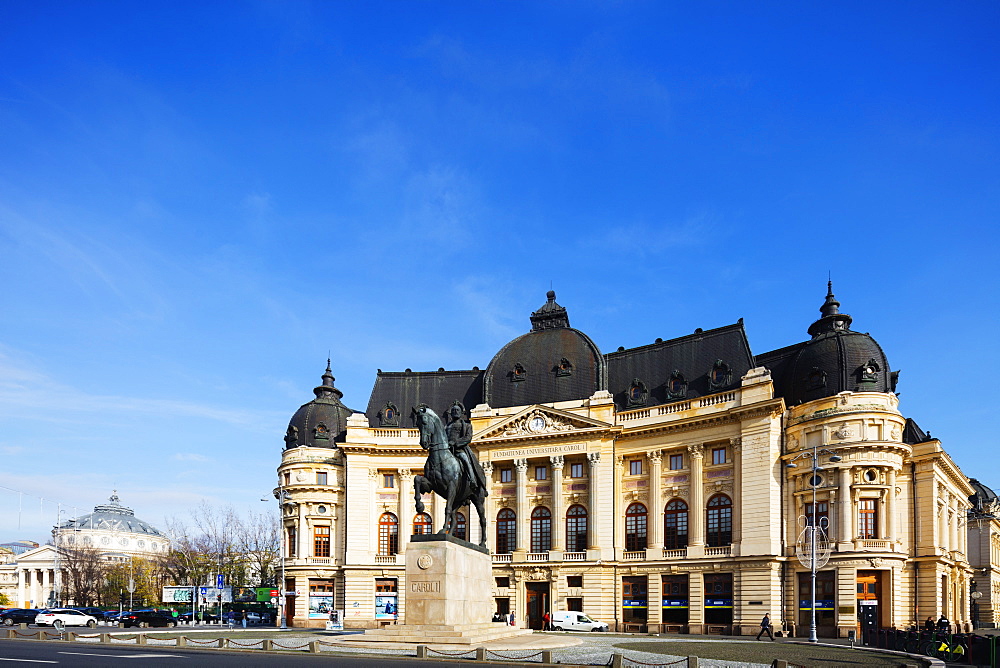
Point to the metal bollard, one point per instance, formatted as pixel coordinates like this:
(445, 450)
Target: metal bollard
(617, 661)
(480, 654)
(421, 651)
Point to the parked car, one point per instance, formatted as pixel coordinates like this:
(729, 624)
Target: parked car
(96, 613)
(67, 616)
(19, 616)
(575, 621)
(144, 618)
(205, 617)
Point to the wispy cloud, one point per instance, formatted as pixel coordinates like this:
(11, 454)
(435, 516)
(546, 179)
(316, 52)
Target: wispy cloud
(189, 457)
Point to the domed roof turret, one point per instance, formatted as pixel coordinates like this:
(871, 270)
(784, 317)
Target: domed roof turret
(837, 359)
(552, 362)
(984, 501)
(323, 421)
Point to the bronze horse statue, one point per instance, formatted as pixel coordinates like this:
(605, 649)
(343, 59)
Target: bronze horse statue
(446, 474)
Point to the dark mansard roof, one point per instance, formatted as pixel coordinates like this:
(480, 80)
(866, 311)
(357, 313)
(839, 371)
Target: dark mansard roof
(836, 359)
(555, 362)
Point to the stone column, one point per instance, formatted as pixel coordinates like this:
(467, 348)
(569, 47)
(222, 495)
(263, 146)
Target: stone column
(953, 525)
(593, 459)
(523, 519)
(305, 549)
(845, 526)
(19, 602)
(490, 505)
(656, 502)
(406, 511)
(558, 512)
(618, 542)
(890, 508)
(46, 583)
(696, 513)
(737, 446)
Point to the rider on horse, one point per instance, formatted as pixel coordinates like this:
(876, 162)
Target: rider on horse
(459, 432)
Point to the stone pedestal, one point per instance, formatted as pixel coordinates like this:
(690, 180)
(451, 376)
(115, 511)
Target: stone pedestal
(448, 596)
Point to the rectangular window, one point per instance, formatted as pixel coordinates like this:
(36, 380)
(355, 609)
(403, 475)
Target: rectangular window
(634, 602)
(676, 462)
(541, 473)
(719, 456)
(321, 595)
(288, 479)
(574, 604)
(719, 598)
(388, 480)
(635, 467)
(321, 477)
(292, 545)
(576, 470)
(321, 541)
(502, 583)
(506, 475)
(867, 519)
(822, 513)
(574, 581)
(675, 602)
(385, 586)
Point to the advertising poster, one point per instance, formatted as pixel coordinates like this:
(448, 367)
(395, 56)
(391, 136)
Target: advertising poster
(177, 594)
(336, 621)
(385, 607)
(265, 594)
(320, 604)
(214, 594)
(244, 594)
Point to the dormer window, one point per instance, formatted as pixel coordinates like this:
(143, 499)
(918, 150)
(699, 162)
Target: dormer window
(637, 393)
(292, 437)
(564, 368)
(676, 385)
(815, 379)
(517, 373)
(389, 415)
(321, 432)
(720, 376)
(868, 372)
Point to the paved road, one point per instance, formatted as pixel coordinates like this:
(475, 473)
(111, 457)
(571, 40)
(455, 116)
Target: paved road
(38, 653)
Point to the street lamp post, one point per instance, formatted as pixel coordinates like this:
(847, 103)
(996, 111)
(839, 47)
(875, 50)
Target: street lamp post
(813, 527)
(281, 496)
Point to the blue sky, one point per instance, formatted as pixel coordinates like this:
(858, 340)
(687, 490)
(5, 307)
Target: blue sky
(199, 200)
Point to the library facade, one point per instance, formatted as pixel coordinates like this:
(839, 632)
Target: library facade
(670, 487)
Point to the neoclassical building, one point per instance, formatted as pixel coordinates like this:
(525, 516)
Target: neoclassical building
(984, 555)
(30, 578)
(663, 487)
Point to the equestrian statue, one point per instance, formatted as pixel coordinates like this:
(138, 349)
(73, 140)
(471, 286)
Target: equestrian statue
(451, 470)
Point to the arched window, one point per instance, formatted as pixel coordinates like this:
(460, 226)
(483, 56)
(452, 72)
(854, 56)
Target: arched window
(576, 529)
(460, 531)
(635, 528)
(506, 531)
(541, 529)
(388, 534)
(720, 521)
(422, 523)
(675, 525)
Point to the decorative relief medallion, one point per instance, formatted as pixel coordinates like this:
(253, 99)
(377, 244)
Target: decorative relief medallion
(425, 561)
(844, 431)
(895, 433)
(793, 444)
(536, 422)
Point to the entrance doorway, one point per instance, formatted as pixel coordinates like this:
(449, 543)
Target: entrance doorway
(538, 604)
(869, 601)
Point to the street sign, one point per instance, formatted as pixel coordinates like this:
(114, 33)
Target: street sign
(131, 586)
(219, 582)
(274, 599)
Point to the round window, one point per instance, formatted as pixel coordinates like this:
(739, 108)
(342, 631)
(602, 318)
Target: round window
(816, 480)
(105, 541)
(321, 509)
(871, 475)
(142, 543)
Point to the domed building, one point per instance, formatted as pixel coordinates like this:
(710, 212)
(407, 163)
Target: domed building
(114, 530)
(984, 555)
(663, 487)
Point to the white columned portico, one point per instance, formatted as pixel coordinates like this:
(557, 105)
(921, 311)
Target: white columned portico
(845, 527)
(890, 508)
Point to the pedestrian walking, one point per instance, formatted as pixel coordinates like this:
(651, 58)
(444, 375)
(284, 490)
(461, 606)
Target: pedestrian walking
(765, 627)
(243, 617)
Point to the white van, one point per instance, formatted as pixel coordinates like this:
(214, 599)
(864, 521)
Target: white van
(575, 621)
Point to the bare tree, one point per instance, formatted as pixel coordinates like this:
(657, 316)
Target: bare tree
(257, 540)
(84, 570)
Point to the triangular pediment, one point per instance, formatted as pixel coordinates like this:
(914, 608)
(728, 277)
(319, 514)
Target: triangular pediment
(540, 422)
(40, 554)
